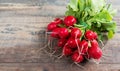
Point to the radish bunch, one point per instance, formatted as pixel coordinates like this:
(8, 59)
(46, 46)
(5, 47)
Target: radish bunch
(74, 43)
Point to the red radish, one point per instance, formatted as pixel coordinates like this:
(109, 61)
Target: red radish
(76, 57)
(95, 35)
(83, 46)
(63, 33)
(55, 33)
(73, 42)
(94, 43)
(95, 52)
(51, 26)
(89, 35)
(67, 51)
(61, 42)
(76, 33)
(58, 21)
(69, 20)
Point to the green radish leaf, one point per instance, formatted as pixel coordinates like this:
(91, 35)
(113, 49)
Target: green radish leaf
(97, 5)
(110, 34)
(78, 25)
(98, 24)
(110, 26)
(74, 5)
(111, 11)
(81, 4)
(103, 16)
(94, 15)
(70, 12)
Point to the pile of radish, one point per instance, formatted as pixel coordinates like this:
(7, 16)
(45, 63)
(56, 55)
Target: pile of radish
(83, 26)
(74, 43)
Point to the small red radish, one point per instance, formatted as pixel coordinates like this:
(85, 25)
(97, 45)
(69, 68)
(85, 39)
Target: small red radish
(94, 43)
(83, 46)
(69, 20)
(95, 52)
(51, 26)
(76, 57)
(76, 33)
(55, 33)
(89, 35)
(58, 21)
(73, 42)
(63, 33)
(61, 42)
(67, 51)
(95, 35)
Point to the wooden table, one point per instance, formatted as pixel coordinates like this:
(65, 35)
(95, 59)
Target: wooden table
(22, 25)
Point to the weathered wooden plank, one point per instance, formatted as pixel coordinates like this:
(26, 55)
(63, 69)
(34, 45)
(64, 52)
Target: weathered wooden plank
(59, 67)
(46, 2)
(34, 2)
(46, 10)
(26, 67)
(100, 67)
(114, 2)
(104, 67)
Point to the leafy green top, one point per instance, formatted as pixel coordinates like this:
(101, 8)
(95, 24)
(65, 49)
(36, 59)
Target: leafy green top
(95, 15)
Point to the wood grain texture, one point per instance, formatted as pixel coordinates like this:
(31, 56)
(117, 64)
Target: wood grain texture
(22, 34)
(52, 67)
(26, 67)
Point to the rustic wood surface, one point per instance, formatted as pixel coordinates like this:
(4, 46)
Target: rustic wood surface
(22, 25)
